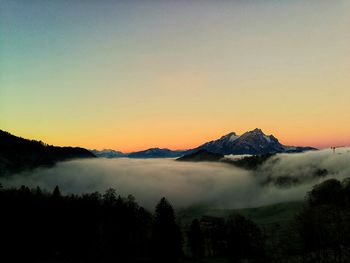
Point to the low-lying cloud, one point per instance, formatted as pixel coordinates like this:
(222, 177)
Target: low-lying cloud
(184, 184)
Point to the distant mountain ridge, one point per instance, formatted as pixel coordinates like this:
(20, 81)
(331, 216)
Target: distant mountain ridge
(148, 153)
(254, 142)
(156, 153)
(18, 154)
(108, 153)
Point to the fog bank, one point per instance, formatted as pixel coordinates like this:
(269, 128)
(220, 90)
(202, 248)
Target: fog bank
(215, 184)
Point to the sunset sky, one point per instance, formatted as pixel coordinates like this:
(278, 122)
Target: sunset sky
(130, 75)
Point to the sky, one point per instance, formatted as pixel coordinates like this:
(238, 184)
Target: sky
(131, 75)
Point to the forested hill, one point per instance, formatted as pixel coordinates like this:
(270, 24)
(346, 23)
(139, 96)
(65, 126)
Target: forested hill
(18, 154)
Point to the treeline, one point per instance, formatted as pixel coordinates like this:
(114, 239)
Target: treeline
(38, 226)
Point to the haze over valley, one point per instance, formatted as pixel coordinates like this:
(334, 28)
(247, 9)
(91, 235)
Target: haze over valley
(280, 178)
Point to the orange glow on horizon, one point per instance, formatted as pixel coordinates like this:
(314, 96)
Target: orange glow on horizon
(177, 142)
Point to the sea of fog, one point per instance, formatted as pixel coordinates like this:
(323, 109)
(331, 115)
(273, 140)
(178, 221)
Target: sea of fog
(184, 184)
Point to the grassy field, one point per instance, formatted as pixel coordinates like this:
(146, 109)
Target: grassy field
(281, 213)
(272, 219)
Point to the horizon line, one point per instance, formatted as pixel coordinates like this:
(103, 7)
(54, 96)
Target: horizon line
(330, 146)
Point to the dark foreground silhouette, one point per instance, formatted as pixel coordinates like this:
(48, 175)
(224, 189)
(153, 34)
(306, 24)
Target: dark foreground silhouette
(38, 226)
(18, 154)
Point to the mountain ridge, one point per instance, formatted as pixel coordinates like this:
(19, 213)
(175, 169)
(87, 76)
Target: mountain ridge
(254, 142)
(147, 153)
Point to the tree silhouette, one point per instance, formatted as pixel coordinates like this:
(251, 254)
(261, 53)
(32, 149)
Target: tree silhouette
(244, 240)
(322, 229)
(196, 240)
(110, 196)
(56, 192)
(166, 235)
(39, 226)
(328, 192)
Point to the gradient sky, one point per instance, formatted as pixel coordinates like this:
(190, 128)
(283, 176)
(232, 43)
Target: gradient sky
(130, 75)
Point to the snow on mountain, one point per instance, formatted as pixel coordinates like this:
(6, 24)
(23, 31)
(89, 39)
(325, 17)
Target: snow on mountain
(252, 142)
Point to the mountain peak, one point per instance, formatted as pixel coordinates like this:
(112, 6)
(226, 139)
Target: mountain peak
(230, 136)
(256, 131)
(251, 142)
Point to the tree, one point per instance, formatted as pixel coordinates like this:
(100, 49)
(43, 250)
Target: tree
(346, 187)
(322, 227)
(329, 192)
(56, 192)
(244, 240)
(166, 235)
(195, 239)
(110, 196)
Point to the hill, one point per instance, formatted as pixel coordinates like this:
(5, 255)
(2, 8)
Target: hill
(201, 155)
(18, 154)
(249, 162)
(264, 216)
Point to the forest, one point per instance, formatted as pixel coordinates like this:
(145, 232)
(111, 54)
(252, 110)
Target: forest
(41, 226)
